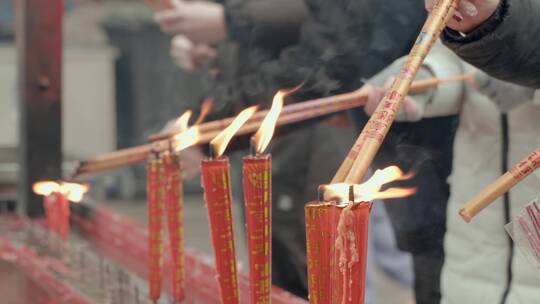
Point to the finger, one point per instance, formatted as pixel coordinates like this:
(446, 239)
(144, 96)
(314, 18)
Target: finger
(468, 8)
(410, 108)
(169, 16)
(429, 5)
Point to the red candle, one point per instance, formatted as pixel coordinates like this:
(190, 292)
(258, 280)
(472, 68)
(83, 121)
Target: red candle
(155, 227)
(257, 178)
(63, 214)
(337, 252)
(174, 205)
(218, 197)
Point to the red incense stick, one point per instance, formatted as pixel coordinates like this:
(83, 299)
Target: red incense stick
(337, 252)
(218, 197)
(174, 205)
(63, 215)
(257, 179)
(155, 227)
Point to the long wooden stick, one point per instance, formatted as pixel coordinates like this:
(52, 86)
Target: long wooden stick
(360, 157)
(500, 186)
(291, 114)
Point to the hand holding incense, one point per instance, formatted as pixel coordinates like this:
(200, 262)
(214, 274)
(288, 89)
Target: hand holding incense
(216, 184)
(355, 166)
(500, 186)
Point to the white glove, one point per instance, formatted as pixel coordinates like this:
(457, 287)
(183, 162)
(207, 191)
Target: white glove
(202, 22)
(412, 109)
(189, 56)
(505, 95)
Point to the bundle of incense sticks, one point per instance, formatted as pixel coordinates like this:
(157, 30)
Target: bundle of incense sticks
(257, 180)
(155, 226)
(364, 150)
(500, 186)
(291, 114)
(216, 183)
(337, 251)
(525, 231)
(174, 206)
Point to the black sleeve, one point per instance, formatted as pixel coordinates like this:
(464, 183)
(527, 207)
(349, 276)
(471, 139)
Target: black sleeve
(268, 23)
(506, 46)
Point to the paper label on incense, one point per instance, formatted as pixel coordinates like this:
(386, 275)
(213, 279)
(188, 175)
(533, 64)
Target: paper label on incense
(218, 197)
(337, 252)
(174, 206)
(155, 196)
(527, 166)
(258, 201)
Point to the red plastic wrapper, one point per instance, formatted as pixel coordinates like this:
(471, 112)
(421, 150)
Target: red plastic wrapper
(217, 194)
(337, 252)
(257, 177)
(155, 227)
(174, 205)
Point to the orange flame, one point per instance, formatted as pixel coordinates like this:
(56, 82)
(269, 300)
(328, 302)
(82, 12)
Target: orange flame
(206, 108)
(186, 139)
(371, 189)
(220, 142)
(262, 138)
(180, 124)
(74, 191)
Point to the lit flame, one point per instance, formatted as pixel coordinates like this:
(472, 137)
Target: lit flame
(73, 191)
(180, 124)
(262, 138)
(206, 108)
(220, 142)
(186, 139)
(371, 189)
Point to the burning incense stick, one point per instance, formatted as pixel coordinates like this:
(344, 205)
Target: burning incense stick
(174, 205)
(502, 185)
(155, 226)
(355, 166)
(293, 113)
(216, 184)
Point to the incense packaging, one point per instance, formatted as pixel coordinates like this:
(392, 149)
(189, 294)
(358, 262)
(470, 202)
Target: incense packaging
(217, 194)
(155, 227)
(337, 252)
(525, 231)
(174, 207)
(257, 180)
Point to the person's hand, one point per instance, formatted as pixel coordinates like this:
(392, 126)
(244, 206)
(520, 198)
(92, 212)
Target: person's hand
(202, 22)
(410, 109)
(159, 5)
(189, 56)
(470, 13)
(191, 161)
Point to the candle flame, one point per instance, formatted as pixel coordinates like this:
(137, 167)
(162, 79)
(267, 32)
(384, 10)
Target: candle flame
(220, 142)
(371, 189)
(73, 191)
(206, 108)
(186, 139)
(262, 138)
(180, 124)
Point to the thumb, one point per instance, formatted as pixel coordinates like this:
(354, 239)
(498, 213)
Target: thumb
(410, 110)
